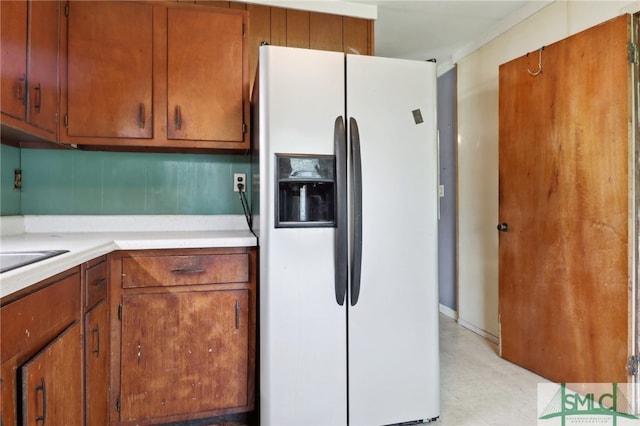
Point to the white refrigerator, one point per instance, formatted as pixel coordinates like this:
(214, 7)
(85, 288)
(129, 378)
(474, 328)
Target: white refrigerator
(346, 209)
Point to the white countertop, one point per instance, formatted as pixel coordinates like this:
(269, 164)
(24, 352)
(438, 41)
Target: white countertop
(78, 235)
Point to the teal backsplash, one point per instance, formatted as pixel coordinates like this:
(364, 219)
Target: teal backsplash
(72, 182)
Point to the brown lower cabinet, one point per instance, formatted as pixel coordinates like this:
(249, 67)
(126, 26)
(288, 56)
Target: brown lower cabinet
(41, 353)
(137, 337)
(52, 382)
(183, 334)
(96, 341)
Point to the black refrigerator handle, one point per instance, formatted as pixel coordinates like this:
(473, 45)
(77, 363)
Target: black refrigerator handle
(341, 241)
(356, 229)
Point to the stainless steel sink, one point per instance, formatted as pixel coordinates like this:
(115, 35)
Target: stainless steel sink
(14, 259)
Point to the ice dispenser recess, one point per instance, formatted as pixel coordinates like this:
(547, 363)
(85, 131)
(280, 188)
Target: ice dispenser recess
(305, 192)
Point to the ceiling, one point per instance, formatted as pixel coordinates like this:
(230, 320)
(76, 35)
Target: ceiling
(442, 29)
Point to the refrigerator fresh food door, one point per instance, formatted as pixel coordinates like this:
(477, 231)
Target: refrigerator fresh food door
(302, 328)
(393, 326)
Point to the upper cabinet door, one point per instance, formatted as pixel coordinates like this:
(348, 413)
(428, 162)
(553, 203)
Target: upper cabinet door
(109, 76)
(29, 65)
(13, 58)
(43, 64)
(206, 74)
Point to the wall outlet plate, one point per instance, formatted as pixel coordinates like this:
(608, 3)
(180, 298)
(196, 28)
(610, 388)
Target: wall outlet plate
(239, 179)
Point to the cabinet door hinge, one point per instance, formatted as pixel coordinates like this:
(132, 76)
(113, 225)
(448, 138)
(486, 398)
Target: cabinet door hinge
(633, 364)
(632, 52)
(244, 128)
(66, 121)
(120, 312)
(66, 10)
(244, 30)
(118, 404)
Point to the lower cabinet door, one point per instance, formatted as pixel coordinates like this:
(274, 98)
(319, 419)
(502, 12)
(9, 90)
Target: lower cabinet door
(52, 390)
(97, 365)
(184, 352)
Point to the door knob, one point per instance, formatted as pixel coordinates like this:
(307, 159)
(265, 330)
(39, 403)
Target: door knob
(503, 227)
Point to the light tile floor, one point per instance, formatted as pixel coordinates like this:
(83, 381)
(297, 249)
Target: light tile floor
(480, 388)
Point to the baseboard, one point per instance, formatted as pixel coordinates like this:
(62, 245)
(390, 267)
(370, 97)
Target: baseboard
(448, 312)
(479, 331)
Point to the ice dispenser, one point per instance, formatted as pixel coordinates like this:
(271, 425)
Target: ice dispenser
(305, 192)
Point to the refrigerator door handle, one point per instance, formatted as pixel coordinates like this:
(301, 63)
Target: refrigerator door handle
(356, 229)
(341, 240)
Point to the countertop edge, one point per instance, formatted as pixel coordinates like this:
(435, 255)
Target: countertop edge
(87, 246)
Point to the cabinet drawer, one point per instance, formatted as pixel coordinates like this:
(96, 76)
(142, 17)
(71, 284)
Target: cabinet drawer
(96, 278)
(30, 322)
(153, 271)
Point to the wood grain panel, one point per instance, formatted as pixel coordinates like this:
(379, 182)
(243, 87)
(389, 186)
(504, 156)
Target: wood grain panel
(184, 353)
(29, 321)
(32, 321)
(297, 28)
(325, 32)
(260, 30)
(13, 57)
(103, 40)
(358, 36)
(43, 65)
(96, 280)
(153, 271)
(52, 382)
(278, 26)
(563, 190)
(204, 86)
(97, 364)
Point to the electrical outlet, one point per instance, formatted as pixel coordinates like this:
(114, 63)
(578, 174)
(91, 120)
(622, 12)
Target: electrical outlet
(239, 179)
(17, 179)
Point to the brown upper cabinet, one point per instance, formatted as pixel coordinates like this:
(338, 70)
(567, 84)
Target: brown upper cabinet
(147, 75)
(109, 71)
(154, 74)
(29, 67)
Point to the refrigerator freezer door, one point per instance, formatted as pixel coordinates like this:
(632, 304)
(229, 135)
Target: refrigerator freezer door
(302, 329)
(393, 328)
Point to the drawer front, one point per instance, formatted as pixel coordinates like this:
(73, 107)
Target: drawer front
(96, 284)
(34, 320)
(153, 271)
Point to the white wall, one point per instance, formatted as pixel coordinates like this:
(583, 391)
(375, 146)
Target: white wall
(478, 147)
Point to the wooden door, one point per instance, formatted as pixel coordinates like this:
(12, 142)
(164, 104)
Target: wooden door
(96, 356)
(184, 353)
(109, 69)
(52, 391)
(43, 64)
(206, 76)
(564, 262)
(13, 58)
